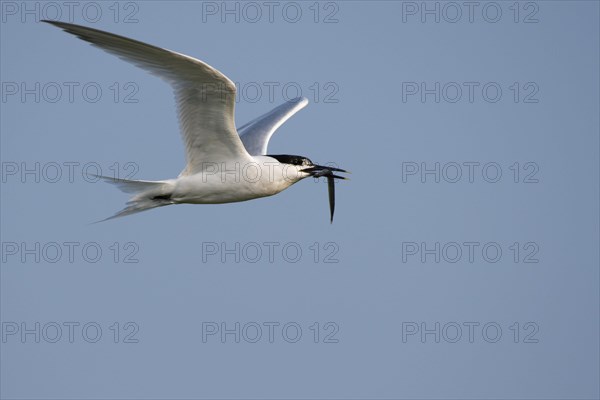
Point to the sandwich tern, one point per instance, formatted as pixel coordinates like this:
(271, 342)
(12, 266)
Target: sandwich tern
(224, 165)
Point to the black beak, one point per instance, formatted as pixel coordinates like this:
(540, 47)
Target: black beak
(316, 169)
(328, 172)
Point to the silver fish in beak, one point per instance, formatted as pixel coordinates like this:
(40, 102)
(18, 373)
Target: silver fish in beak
(322, 171)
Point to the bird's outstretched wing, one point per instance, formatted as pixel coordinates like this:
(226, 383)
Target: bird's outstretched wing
(256, 134)
(205, 97)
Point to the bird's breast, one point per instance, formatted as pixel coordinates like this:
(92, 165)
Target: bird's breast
(234, 181)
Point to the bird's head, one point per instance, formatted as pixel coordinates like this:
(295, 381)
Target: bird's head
(305, 168)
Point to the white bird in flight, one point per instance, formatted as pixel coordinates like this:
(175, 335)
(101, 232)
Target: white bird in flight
(222, 165)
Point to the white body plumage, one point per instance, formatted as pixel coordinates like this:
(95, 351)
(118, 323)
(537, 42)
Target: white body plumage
(224, 164)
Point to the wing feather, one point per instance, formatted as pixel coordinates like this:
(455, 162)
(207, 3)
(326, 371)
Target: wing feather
(256, 134)
(205, 97)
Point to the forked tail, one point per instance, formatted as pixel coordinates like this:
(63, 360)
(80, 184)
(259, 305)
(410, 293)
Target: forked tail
(146, 195)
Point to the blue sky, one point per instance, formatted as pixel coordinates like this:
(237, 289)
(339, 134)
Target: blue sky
(463, 259)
